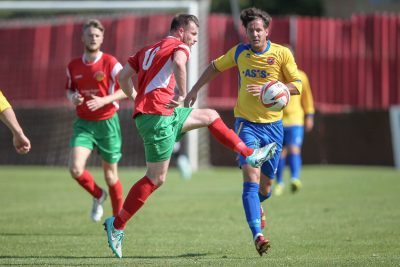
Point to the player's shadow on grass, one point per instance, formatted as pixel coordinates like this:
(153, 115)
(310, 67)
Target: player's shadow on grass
(187, 255)
(43, 234)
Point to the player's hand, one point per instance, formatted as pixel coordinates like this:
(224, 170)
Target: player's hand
(77, 99)
(309, 123)
(190, 98)
(254, 89)
(95, 103)
(21, 143)
(177, 101)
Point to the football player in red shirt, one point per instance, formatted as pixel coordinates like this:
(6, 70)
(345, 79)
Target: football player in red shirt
(161, 120)
(92, 87)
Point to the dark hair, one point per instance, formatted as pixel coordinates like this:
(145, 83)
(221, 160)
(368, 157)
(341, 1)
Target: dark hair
(93, 23)
(183, 20)
(249, 14)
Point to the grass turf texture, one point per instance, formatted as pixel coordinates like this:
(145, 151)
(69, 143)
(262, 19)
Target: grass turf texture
(343, 216)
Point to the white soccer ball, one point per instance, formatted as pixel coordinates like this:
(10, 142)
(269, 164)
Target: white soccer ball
(275, 95)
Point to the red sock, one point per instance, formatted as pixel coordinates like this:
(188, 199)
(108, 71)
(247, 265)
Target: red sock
(134, 201)
(116, 197)
(86, 181)
(228, 138)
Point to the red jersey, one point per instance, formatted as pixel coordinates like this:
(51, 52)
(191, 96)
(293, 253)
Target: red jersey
(96, 78)
(154, 67)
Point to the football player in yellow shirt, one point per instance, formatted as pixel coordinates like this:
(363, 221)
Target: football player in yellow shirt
(21, 142)
(298, 116)
(257, 62)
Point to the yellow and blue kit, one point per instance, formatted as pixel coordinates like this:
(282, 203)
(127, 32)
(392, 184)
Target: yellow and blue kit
(293, 129)
(254, 124)
(293, 114)
(299, 105)
(275, 63)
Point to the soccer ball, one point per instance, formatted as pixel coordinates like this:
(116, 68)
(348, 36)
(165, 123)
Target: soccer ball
(274, 95)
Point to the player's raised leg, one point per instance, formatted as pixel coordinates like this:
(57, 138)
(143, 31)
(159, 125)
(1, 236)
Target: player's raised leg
(208, 117)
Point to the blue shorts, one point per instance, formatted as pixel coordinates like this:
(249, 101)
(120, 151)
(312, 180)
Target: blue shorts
(256, 135)
(293, 135)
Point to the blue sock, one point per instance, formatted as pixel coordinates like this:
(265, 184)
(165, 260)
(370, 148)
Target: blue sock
(251, 205)
(279, 171)
(295, 165)
(262, 197)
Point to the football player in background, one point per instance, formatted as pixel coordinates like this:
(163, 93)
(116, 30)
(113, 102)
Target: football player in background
(161, 120)
(258, 62)
(182, 162)
(7, 115)
(92, 87)
(298, 116)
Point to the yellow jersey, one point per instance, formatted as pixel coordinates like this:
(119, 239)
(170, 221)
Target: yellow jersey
(299, 105)
(3, 103)
(275, 63)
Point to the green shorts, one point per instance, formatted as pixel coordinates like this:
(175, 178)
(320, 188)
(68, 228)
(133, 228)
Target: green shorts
(105, 135)
(159, 133)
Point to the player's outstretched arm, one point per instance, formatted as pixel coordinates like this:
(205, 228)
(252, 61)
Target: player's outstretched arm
(21, 143)
(208, 74)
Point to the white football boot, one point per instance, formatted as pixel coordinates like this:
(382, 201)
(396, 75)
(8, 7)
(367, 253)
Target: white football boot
(97, 208)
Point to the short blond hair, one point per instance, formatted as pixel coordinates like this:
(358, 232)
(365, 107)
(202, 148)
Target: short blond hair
(93, 23)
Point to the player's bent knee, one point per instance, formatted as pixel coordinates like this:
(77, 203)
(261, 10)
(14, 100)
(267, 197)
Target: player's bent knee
(111, 180)
(265, 191)
(212, 115)
(157, 180)
(75, 172)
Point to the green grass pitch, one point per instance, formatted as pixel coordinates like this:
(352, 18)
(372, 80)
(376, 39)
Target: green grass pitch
(344, 216)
